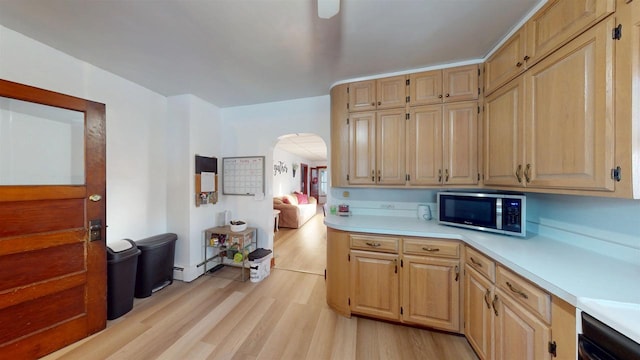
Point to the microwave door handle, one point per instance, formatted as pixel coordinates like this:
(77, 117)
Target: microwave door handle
(499, 213)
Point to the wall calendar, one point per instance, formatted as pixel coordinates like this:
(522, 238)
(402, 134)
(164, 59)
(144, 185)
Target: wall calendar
(243, 175)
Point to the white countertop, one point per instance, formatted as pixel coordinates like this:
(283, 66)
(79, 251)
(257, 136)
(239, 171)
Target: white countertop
(602, 286)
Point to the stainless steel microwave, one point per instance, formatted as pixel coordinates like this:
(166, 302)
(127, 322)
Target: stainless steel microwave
(499, 213)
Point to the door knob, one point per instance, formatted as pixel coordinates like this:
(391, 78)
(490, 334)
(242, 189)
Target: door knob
(95, 197)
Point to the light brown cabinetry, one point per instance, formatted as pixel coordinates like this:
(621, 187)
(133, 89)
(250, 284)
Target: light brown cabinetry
(564, 139)
(376, 147)
(374, 276)
(442, 146)
(555, 24)
(431, 283)
(378, 94)
(339, 135)
(337, 272)
(507, 317)
(444, 86)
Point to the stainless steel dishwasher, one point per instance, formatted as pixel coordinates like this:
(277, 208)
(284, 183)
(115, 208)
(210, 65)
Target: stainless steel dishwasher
(600, 342)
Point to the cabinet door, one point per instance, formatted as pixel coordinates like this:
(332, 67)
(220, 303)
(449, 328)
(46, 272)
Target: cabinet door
(374, 284)
(460, 83)
(391, 147)
(431, 292)
(362, 148)
(505, 63)
(362, 95)
(391, 92)
(503, 121)
(339, 136)
(559, 21)
(460, 144)
(425, 88)
(478, 315)
(424, 145)
(518, 333)
(337, 272)
(569, 131)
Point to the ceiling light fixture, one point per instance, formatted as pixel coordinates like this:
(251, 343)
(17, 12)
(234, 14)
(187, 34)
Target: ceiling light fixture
(328, 8)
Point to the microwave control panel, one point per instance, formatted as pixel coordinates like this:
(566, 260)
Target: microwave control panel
(511, 214)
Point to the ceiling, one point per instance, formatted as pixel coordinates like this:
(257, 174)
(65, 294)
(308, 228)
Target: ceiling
(241, 52)
(306, 146)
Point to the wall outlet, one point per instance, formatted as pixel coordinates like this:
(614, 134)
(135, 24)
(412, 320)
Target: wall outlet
(345, 194)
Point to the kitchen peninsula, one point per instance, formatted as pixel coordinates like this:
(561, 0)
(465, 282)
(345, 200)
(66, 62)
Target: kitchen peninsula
(556, 272)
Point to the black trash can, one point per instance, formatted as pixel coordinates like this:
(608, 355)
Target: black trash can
(122, 263)
(155, 265)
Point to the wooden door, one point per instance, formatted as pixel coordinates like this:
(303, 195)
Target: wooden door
(52, 278)
(425, 88)
(391, 147)
(506, 62)
(460, 141)
(362, 96)
(337, 272)
(518, 333)
(431, 292)
(424, 145)
(362, 147)
(391, 92)
(460, 83)
(339, 136)
(559, 21)
(569, 130)
(374, 284)
(478, 315)
(504, 147)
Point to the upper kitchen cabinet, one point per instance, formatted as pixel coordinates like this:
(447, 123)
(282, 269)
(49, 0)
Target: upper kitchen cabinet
(339, 135)
(569, 121)
(442, 144)
(555, 24)
(506, 63)
(386, 93)
(559, 21)
(444, 86)
(377, 147)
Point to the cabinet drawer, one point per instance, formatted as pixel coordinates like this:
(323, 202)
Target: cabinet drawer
(431, 247)
(480, 262)
(525, 293)
(375, 243)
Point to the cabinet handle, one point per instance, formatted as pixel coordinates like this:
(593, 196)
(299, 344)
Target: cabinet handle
(517, 291)
(518, 64)
(373, 176)
(526, 57)
(379, 175)
(431, 249)
(474, 262)
(519, 173)
(379, 103)
(493, 303)
(487, 296)
(446, 95)
(457, 273)
(395, 263)
(527, 173)
(373, 104)
(439, 175)
(446, 175)
(373, 244)
(440, 96)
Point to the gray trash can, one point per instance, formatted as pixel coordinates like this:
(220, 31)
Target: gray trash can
(122, 263)
(155, 266)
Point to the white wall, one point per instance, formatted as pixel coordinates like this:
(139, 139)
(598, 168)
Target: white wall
(253, 131)
(286, 183)
(136, 129)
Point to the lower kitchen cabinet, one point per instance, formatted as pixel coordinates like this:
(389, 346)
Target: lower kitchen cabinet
(374, 284)
(431, 292)
(478, 315)
(519, 334)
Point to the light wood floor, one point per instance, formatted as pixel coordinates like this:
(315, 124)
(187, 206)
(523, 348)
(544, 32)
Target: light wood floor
(283, 317)
(303, 249)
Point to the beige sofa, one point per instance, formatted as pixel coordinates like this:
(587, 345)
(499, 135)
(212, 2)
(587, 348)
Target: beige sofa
(292, 214)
